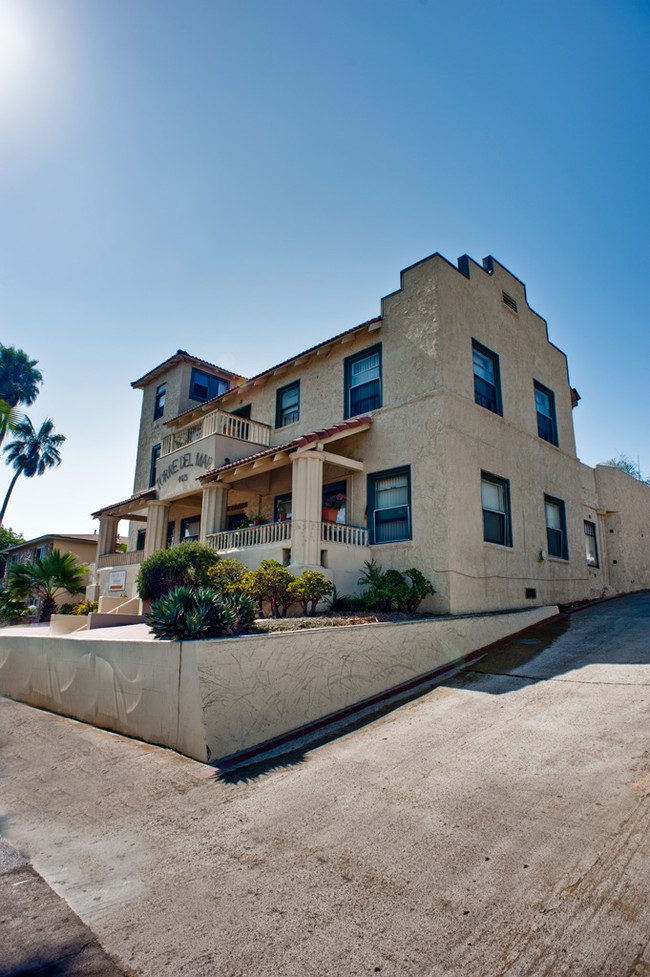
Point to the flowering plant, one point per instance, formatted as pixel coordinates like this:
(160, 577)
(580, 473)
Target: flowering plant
(335, 501)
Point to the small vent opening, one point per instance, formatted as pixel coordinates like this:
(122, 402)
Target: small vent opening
(509, 301)
(531, 593)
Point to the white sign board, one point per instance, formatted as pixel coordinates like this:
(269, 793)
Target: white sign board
(117, 580)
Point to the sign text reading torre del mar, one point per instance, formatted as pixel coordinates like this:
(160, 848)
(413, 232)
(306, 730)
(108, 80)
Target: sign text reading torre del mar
(179, 465)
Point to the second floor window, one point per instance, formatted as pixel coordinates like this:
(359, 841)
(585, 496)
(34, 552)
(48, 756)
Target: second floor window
(203, 386)
(545, 406)
(363, 382)
(487, 380)
(287, 404)
(159, 407)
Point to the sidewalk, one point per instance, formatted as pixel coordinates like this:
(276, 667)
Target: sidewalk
(40, 936)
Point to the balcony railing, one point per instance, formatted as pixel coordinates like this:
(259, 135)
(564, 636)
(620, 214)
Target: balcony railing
(217, 422)
(121, 559)
(334, 532)
(235, 539)
(278, 532)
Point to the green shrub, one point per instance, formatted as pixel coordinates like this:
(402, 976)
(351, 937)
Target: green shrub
(185, 565)
(309, 588)
(11, 607)
(66, 609)
(271, 582)
(85, 607)
(389, 590)
(227, 576)
(188, 614)
(346, 602)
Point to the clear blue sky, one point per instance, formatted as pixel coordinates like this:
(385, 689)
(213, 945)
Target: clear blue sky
(245, 179)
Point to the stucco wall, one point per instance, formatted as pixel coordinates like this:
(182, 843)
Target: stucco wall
(210, 699)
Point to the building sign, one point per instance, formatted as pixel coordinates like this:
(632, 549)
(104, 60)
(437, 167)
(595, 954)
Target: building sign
(177, 470)
(117, 580)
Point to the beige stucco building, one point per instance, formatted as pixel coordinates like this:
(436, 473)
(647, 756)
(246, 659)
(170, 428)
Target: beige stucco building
(442, 429)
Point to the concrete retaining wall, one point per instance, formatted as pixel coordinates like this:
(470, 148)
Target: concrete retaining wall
(210, 699)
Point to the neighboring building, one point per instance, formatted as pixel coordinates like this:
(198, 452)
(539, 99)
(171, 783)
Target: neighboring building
(445, 424)
(82, 545)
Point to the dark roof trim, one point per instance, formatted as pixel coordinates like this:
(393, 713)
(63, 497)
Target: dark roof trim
(139, 496)
(181, 355)
(258, 376)
(298, 442)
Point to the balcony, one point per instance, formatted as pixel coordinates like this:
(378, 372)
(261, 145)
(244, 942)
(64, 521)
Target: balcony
(217, 422)
(255, 543)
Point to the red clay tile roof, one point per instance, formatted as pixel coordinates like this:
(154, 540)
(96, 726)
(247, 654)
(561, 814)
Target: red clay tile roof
(182, 354)
(295, 443)
(305, 352)
(116, 505)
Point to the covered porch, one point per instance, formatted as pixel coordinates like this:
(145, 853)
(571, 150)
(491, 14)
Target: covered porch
(301, 503)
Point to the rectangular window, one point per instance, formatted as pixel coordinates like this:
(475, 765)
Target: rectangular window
(282, 507)
(190, 529)
(155, 455)
(495, 501)
(487, 379)
(389, 506)
(545, 405)
(139, 541)
(159, 408)
(363, 382)
(170, 533)
(203, 386)
(287, 404)
(556, 528)
(591, 545)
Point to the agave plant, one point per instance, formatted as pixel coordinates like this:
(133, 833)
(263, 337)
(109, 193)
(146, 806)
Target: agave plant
(188, 614)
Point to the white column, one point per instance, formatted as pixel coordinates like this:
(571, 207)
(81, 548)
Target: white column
(214, 507)
(107, 540)
(306, 508)
(157, 519)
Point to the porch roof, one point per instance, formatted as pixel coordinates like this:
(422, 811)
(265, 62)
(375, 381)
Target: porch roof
(332, 433)
(121, 508)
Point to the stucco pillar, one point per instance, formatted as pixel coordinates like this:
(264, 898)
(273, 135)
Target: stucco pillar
(306, 508)
(107, 541)
(214, 507)
(157, 519)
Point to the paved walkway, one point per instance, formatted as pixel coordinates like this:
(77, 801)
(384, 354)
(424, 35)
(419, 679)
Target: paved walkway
(494, 826)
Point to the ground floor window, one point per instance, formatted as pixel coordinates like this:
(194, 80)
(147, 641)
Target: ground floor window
(389, 505)
(495, 501)
(591, 546)
(556, 528)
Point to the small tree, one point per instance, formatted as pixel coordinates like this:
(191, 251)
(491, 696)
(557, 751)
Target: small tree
(8, 538)
(310, 588)
(270, 582)
(625, 464)
(185, 565)
(44, 578)
(227, 576)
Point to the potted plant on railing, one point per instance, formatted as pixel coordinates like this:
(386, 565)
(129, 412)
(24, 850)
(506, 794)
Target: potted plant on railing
(333, 503)
(282, 510)
(258, 520)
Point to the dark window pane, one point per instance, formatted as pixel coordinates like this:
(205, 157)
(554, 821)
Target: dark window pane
(494, 527)
(365, 397)
(392, 524)
(545, 428)
(485, 394)
(554, 537)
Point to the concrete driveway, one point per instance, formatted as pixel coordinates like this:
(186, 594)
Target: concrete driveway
(496, 825)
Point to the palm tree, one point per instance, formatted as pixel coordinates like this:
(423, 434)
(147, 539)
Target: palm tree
(45, 577)
(9, 418)
(32, 453)
(19, 378)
